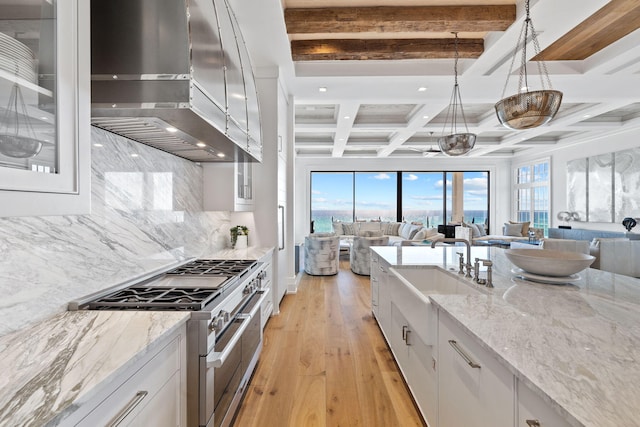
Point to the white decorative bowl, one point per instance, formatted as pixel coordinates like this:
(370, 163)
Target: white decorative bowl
(549, 263)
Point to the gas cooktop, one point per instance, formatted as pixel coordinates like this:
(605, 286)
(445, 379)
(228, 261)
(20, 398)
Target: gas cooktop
(215, 267)
(191, 286)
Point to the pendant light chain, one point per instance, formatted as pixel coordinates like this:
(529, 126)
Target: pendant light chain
(456, 143)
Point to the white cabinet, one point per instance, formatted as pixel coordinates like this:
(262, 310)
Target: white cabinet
(45, 164)
(473, 388)
(267, 286)
(380, 296)
(152, 393)
(535, 412)
(375, 284)
(227, 186)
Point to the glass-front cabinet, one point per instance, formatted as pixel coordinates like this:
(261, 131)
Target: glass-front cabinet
(44, 107)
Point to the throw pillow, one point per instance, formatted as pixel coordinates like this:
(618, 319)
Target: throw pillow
(348, 229)
(472, 228)
(420, 235)
(394, 228)
(525, 227)
(337, 228)
(370, 233)
(430, 232)
(481, 230)
(514, 230)
(413, 231)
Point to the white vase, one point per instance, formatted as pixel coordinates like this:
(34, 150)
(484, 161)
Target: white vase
(242, 242)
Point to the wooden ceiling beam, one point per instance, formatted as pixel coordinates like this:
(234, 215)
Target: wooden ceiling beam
(609, 24)
(389, 19)
(356, 49)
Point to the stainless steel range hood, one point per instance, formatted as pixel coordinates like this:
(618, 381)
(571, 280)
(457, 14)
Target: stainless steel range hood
(175, 75)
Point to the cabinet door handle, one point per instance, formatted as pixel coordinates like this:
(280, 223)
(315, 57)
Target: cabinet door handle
(135, 401)
(404, 333)
(533, 423)
(464, 355)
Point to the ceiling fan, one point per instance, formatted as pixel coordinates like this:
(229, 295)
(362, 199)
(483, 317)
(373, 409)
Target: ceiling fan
(429, 152)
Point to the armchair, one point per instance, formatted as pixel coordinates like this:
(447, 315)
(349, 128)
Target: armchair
(321, 254)
(359, 257)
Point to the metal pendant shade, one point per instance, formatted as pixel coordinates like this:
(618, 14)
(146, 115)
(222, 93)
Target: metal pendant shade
(454, 143)
(528, 109)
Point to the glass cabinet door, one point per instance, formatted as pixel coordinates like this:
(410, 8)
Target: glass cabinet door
(44, 106)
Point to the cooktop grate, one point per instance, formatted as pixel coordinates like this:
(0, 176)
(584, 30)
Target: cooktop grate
(215, 267)
(149, 298)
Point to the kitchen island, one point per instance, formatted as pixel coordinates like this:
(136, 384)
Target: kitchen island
(576, 346)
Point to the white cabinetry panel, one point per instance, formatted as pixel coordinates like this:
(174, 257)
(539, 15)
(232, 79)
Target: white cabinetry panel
(474, 389)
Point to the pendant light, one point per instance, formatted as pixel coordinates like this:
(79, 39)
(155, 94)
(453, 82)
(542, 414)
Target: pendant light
(17, 137)
(528, 109)
(454, 143)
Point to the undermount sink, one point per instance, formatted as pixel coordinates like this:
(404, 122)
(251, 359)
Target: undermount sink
(549, 263)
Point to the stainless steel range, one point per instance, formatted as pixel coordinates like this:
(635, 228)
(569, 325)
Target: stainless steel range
(224, 334)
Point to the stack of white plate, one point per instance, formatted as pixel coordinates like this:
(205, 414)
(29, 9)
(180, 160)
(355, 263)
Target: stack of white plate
(17, 59)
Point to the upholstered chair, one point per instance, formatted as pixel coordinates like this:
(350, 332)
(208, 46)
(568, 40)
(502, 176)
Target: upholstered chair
(359, 256)
(321, 254)
(567, 245)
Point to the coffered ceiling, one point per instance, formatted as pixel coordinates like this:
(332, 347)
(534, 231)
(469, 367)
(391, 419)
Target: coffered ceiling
(373, 78)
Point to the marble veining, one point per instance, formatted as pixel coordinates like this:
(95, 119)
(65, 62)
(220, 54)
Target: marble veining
(577, 346)
(52, 368)
(146, 213)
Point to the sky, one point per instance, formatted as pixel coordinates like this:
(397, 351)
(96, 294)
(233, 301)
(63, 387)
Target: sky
(377, 190)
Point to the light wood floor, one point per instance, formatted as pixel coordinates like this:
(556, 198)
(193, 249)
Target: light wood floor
(325, 362)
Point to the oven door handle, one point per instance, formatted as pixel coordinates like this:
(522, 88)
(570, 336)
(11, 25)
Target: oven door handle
(216, 359)
(257, 306)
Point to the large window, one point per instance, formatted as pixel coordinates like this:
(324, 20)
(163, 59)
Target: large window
(331, 197)
(432, 198)
(422, 197)
(531, 199)
(376, 195)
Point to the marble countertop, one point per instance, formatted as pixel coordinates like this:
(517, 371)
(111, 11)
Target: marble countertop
(577, 346)
(51, 368)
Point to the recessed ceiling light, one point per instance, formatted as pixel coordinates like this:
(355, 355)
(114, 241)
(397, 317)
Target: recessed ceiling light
(586, 116)
(341, 139)
(422, 89)
(347, 117)
(201, 144)
(425, 117)
(172, 129)
(221, 155)
(524, 88)
(322, 89)
(43, 118)
(134, 155)
(97, 145)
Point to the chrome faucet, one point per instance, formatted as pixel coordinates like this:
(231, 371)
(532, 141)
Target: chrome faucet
(466, 242)
(488, 282)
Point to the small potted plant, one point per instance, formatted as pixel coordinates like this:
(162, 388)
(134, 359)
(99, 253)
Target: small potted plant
(239, 236)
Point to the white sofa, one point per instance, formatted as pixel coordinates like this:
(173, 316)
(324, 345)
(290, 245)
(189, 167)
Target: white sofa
(511, 232)
(399, 233)
(621, 256)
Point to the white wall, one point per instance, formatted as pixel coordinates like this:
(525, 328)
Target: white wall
(499, 186)
(559, 158)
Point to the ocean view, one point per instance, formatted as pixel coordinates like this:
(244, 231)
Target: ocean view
(322, 218)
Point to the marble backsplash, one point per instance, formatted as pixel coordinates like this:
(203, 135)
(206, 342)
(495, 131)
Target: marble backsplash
(146, 213)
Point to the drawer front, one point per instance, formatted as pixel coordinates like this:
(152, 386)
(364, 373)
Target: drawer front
(533, 411)
(124, 403)
(474, 388)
